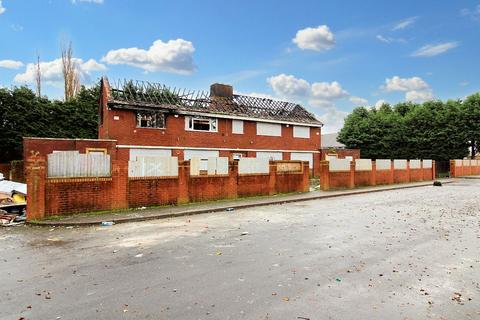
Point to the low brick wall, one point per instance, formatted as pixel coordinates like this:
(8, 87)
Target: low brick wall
(352, 178)
(464, 167)
(61, 196)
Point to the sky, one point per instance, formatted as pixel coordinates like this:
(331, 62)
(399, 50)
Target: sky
(329, 56)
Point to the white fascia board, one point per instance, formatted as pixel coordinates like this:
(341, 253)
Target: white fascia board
(125, 146)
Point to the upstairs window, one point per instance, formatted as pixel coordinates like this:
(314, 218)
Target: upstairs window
(269, 129)
(201, 124)
(301, 132)
(150, 119)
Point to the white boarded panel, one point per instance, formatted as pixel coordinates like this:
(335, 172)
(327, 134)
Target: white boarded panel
(153, 167)
(269, 129)
(466, 162)
(134, 153)
(194, 166)
(339, 165)
(212, 165)
(253, 165)
(427, 164)
(222, 165)
(363, 165)
(458, 163)
(270, 155)
(237, 126)
(383, 164)
(303, 156)
(415, 164)
(400, 164)
(301, 132)
(203, 155)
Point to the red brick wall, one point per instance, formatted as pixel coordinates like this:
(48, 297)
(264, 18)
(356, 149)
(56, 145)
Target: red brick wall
(459, 171)
(77, 195)
(56, 196)
(352, 178)
(144, 192)
(5, 170)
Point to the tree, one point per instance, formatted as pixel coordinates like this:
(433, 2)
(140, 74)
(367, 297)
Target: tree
(432, 130)
(70, 73)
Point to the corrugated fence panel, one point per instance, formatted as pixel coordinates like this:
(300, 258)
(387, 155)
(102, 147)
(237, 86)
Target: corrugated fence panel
(73, 164)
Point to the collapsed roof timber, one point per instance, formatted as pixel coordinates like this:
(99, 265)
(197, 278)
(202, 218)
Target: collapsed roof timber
(135, 95)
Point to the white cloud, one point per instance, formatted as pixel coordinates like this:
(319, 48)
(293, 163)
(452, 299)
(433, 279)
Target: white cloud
(88, 1)
(405, 84)
(333, 120)
(257, 95)
(431, 50)
(415, 88)
(390, 39)
(404, 23)
(289, 86)
(358, 101)
(473, 14)
(2, 8)
(328, 91)
(52, 72)
(174, 56)
(11, 64)
(317, 39)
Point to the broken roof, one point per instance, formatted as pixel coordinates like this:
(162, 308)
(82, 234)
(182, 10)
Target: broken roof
(137, 95)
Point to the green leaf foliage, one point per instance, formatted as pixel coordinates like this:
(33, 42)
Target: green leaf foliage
(22, 114)
(432, 130)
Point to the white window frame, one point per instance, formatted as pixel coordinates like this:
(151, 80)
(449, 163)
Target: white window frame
(237, 126)
(189, 123)
(263, 129)
(301, 132)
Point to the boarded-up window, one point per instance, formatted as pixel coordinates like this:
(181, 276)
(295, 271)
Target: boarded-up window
(270, 155)
(301, 132)
(69, 164)
(303, 156)
(153, 167)
(237, 126)
(253, 166)
(269, 129)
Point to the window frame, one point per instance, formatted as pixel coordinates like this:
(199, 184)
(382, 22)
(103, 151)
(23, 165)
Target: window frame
(278, 127)
(298, 129)
(237, 124)
(189, 123)
(138, 123)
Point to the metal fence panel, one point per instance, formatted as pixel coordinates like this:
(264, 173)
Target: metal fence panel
(69, 164)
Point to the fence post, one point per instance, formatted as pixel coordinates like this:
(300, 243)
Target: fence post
(272, 166)
(324, 175)
(35, 170)
(119, 199)
(232, 191)
(373, 174)
(183, 181)
(391, 179)
(409, 177)
(306, 176)
(351, 183)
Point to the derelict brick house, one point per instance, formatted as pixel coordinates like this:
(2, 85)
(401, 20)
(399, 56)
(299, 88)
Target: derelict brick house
(152, 120)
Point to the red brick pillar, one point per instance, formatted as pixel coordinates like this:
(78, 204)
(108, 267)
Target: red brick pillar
(272, 178)
(306, 176)
(119, 199)
(324, 176)
(36, 175)
(183, 180)
(351, 183)
(434, 170)
(452, 169)
(286, 156)
(408, 171)
(317, 157)
(392, 173)
(422, 174)
(373, 174)
(232, 191)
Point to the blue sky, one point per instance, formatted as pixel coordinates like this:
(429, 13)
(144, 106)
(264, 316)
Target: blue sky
(328, 55)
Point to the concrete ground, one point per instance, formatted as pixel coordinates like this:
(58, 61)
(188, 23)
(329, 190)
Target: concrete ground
(402, 254)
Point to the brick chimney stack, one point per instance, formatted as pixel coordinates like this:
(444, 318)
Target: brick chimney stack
(218, 90)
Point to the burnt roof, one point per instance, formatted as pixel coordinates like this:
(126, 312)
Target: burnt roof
(136, 95)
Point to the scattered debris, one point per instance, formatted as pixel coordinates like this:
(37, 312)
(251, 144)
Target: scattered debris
(107, 223)
(338, 279)
(458, 298)
(142, 208)
(229, 209)
(286, 299)
(139, 255)
(244, 233)
(437, 183)
(218, 253)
